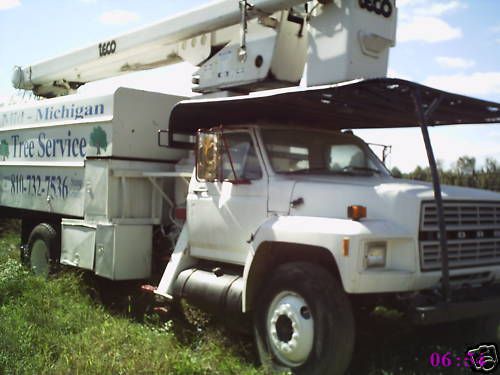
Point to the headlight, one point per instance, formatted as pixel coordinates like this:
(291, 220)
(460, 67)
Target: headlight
(375, 254)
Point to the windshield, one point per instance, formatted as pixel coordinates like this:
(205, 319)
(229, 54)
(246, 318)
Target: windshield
(295, 151)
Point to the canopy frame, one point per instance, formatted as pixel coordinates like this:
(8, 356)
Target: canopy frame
(423, 120)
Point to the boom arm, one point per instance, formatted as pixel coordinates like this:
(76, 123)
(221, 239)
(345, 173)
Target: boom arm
(223, 37)
(188, 36)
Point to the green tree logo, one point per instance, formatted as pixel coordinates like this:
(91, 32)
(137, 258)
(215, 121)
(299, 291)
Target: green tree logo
(4, 149)
(98, 139)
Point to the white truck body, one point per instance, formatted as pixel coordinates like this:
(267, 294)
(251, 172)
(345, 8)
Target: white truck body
(73, 157)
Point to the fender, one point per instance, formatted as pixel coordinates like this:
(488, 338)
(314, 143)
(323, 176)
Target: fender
(319, 232)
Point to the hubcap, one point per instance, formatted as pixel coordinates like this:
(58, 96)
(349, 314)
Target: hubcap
(290, 328)
(39, 258)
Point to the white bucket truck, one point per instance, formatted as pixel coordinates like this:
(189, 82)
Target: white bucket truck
(288, 218)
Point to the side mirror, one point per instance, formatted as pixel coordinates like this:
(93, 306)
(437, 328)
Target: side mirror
(208, 156)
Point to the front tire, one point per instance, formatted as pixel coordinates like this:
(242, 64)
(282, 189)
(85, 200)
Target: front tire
(304, 322)
(43, 250)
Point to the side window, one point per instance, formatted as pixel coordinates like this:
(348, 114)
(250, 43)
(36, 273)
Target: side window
(288, 158)
(346, 155)
(243, 156)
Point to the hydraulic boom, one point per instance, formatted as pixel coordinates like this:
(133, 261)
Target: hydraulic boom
(240, 45)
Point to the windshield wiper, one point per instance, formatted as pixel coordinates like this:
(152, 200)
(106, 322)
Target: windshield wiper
(307, 170)
(351, 168)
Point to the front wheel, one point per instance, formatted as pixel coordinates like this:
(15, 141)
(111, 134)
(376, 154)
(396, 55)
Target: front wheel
(304, 322)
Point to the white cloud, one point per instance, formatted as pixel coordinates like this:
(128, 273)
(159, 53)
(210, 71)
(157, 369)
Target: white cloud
(427, 29)
(118, 17)
(406, 3)
(8, 4)
(455, 62)
(495, 29)
(438, 9)
(482, 84)
(391, 73)
(430, 8)
(422, 20)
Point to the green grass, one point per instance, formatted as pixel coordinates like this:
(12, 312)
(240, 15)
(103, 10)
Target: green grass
(54, 327)
(57, 327)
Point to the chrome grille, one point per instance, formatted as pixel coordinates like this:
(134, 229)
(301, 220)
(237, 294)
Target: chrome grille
(473, 232)
(465, 215)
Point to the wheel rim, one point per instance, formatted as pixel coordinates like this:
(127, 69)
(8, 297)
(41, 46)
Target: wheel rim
(290, 328)
(39, 258)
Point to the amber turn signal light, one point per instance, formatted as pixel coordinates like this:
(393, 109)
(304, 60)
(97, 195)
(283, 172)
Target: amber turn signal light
(345, 246)
(356, 212)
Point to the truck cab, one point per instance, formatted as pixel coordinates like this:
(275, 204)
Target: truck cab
(267, 186)
(249, 174)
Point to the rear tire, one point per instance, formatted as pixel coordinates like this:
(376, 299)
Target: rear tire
(303, 322)
(43, 250)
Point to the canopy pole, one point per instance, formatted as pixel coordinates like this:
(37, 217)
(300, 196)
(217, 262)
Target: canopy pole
(423, 116)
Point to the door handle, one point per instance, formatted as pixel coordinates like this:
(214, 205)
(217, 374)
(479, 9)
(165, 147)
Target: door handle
(200, 190)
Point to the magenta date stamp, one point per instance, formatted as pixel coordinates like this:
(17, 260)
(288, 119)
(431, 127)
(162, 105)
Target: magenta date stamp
(483, 359)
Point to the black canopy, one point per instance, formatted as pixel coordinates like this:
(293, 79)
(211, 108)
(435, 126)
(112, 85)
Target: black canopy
(374, 103)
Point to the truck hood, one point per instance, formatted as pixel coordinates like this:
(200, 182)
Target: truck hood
(386, 198)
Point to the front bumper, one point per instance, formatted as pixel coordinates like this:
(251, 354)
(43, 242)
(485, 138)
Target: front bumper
(465, 304)
(391, 281)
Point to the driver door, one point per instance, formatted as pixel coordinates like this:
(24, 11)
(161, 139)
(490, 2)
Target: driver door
(223, 215)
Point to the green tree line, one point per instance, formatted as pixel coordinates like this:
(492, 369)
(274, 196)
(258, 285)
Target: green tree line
(464, 172)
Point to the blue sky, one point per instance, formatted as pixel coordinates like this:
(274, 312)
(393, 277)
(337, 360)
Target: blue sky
(449, 44)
